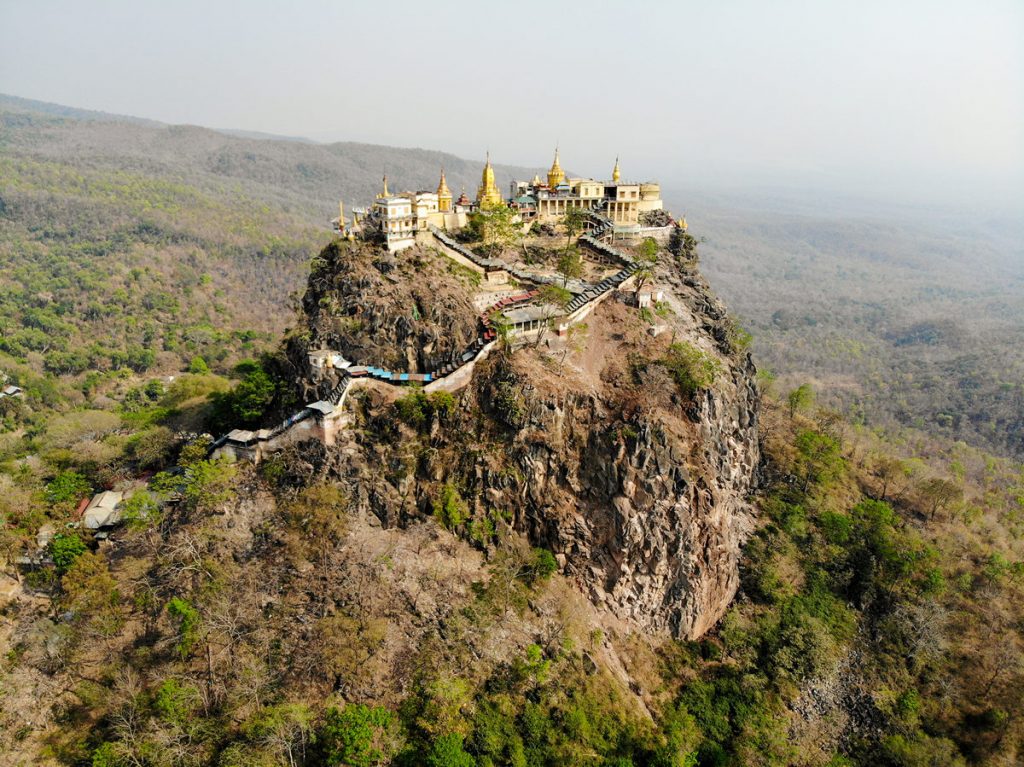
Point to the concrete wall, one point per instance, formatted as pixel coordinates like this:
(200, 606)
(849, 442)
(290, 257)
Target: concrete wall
(323, 429)
(463, 375)
(457, 257)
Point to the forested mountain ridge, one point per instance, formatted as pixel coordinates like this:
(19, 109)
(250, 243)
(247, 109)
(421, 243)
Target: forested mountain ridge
(302, 177)
(900, 316)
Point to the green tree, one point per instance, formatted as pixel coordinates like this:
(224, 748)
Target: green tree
(801, 398)
(496, 228)
(357, 736)
(198, 365)
(67, 488)
(208, 484)
(503, 330)
(555, 301)
(691, 368)
(245, 405)
(65, 548)
(573, 222)
(543, 567)
(939, 493)
(647, 258)
(91, 593)
(819, 459)
(447, 751)
(449, 508)
(251, 397)
(570, 265)
(284, 729)
(140, 510)
(189, 623)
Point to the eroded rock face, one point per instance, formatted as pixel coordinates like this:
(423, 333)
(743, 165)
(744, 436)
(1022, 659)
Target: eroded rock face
(645, 516)
(409, 313)
(638, 487)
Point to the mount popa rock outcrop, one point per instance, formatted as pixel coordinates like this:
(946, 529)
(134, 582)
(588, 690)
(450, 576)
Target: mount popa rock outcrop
(588, 446)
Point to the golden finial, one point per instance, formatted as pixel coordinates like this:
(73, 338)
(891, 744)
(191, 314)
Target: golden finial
(444, 195)
(556, 175)
(616, 175)
(488, 196)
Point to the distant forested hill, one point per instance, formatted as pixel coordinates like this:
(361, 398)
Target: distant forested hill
(301, 177)
(131, 244)
(894, 315)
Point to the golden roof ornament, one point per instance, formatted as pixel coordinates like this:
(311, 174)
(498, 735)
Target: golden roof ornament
(556, 175)
(616, 174)
(488, 196)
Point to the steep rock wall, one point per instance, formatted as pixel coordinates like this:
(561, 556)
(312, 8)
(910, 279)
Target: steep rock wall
(637, 487)
(409, 314)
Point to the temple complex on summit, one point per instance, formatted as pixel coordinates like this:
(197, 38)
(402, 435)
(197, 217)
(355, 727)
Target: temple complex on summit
(621, 202)
(398, 218)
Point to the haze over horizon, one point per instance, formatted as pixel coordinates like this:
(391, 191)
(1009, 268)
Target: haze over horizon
(920, 103)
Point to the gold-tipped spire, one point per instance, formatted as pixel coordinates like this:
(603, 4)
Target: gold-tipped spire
(616, 174)
(556, 175)
(444, 194)
(385, 192)
(488, 195)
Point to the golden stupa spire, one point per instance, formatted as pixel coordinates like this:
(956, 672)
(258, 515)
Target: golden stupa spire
(385, 192)
(488, 196)
(444, 194)
(556, 175)
(616, 175)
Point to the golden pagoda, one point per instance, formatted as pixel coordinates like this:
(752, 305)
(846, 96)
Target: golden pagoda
(488, 195)
(616, 174)
(444, 195)
(385, 192)
(556, 175)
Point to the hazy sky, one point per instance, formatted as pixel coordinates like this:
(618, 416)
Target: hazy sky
(915, 99)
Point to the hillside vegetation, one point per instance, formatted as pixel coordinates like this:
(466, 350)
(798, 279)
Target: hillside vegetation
(260, 616)
(908, 317)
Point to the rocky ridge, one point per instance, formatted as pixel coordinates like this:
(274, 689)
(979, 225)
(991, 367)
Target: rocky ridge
(638, 489)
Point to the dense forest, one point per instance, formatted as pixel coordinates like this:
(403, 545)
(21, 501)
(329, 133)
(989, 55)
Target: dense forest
(900, 316)
(148, 274)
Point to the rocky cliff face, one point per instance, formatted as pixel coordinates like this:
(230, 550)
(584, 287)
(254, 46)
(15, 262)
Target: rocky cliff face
(645, 511)
(592, 449)
(405, 313)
